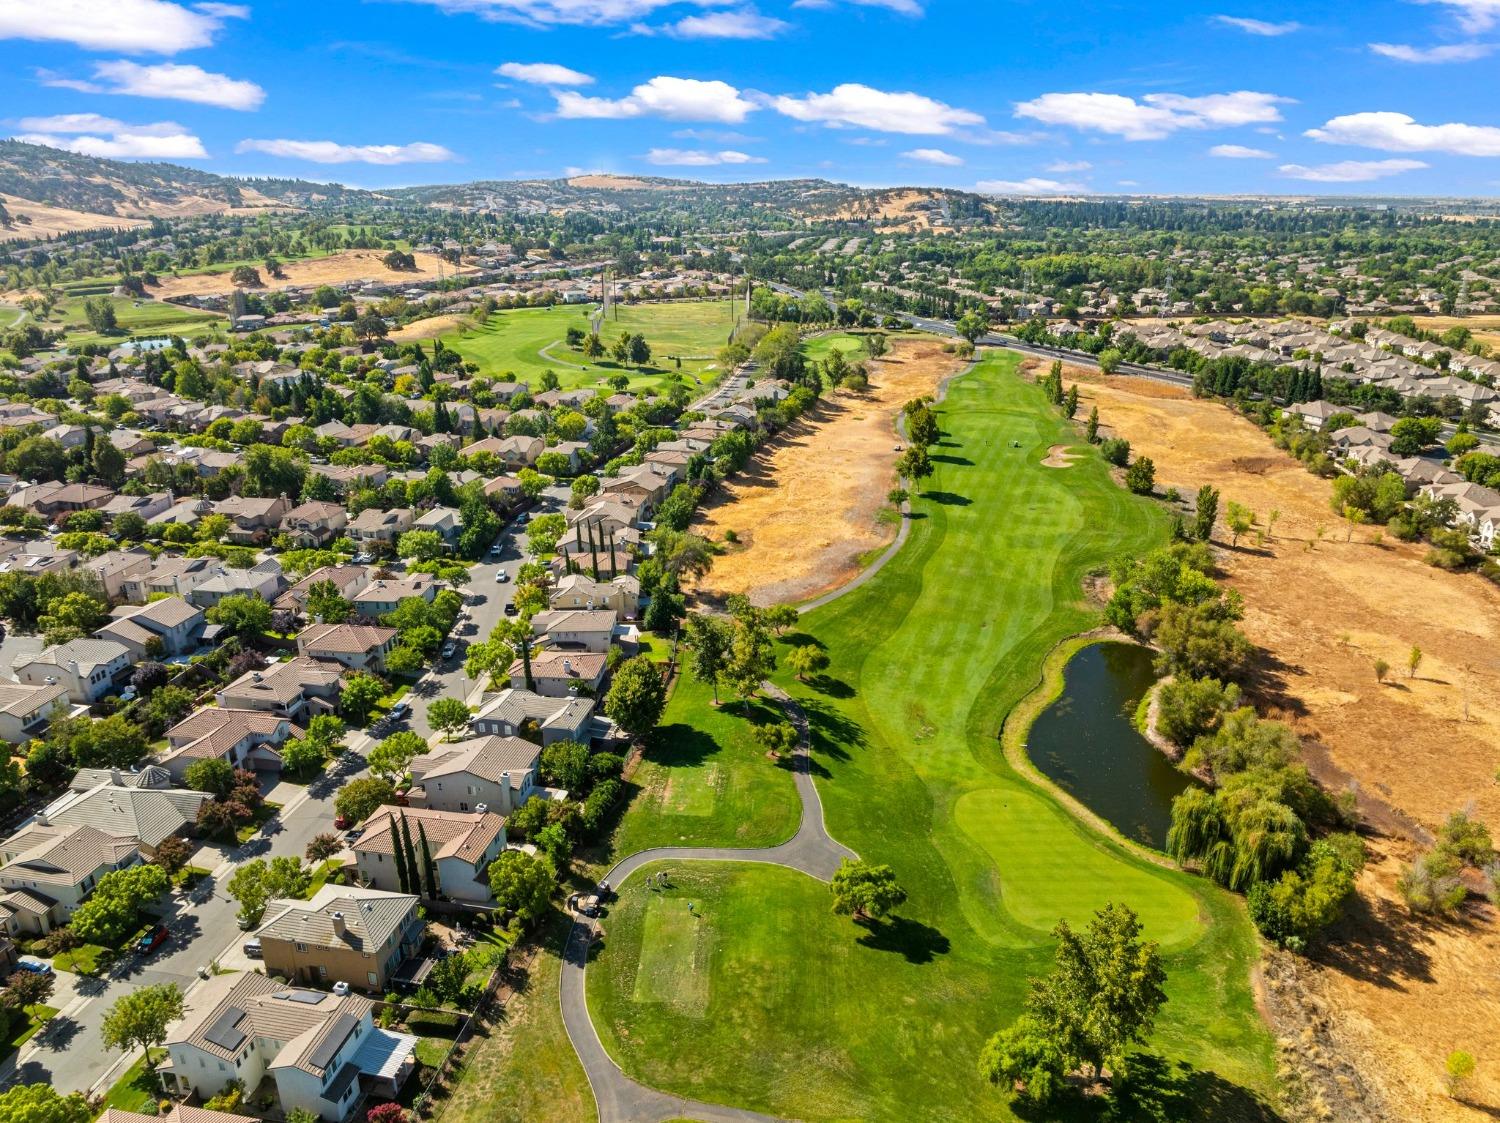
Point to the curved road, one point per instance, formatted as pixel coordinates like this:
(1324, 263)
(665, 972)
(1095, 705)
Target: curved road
(811, 850)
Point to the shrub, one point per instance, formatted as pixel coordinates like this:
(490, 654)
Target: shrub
(1116, 450)
(1188, 708)
(1432, 884)
(432, 1023)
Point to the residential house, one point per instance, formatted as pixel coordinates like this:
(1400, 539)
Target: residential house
(359, 647)
(70, 498)
(462, 847)
(447, 521)
(115, 568)
(314, 524)
(496, 773)
(576, 629)
(517, 713)
(252, 521)
(346, 579)
(245, 738)
(166, 627)
(146, 506)
(263, 581)
(87, 669)
(579, 591)
(323, 1052)
(344, 934)
(557, 673)
(298, 689)
(117, 804)
(380, 597)
(41, 555)
(25, 709)
(171, 575)
(374, 529)
(55, 867)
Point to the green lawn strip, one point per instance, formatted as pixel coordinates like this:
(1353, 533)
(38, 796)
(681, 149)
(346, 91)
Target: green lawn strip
(320, 877)
(928, 658)
(431, 1050)
(82, 960)
(510, 343)
(138, 1089)
(705, 781)
(262, 815)
(522, 1067)
(24, 1029)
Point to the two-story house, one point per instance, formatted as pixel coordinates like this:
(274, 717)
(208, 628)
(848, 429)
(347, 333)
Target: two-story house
(245, 738)
(497, 773)
(379, 597)
(377, 530)
(25, 709)
(166, 627)
(314, 524)
(298, 689)
(359, 647)
(52, 869)
(462, 847)
(579, 629)
(87, 669)
(343, 934)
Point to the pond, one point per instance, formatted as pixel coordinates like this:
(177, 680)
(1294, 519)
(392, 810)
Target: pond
(1087, 743)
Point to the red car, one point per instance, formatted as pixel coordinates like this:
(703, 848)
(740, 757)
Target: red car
(152, 940)
(342, 822)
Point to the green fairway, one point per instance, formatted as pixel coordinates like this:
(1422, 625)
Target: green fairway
(811, 1016)
(136, 319)
(673, 965)
(521, 343)
(705, 781)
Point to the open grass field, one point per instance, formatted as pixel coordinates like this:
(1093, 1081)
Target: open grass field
(808, 511)
(521, 343)
(1325, 609)
(705, 781)
(136, 320)
(810, 1016)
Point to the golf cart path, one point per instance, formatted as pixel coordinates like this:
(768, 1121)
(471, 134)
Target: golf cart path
(811, 850)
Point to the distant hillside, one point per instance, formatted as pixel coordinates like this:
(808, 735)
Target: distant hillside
(101, 189)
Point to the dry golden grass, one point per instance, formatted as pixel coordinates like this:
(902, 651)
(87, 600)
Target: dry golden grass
(46, 221)
(805, 510)
(430, 328)
(351, 265)
(1326, 605)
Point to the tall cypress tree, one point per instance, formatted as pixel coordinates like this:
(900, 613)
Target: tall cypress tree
(413, 870)
(398, 853)
(429, 867)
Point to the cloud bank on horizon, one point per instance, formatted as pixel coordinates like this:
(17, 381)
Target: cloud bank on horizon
(1213, 98)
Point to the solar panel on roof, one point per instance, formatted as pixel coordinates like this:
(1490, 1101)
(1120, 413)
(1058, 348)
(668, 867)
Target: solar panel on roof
(328, 1048)
(310, 997)
(223, 1032)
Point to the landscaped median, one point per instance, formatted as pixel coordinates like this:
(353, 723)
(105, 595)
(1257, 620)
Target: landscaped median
(798, 1013)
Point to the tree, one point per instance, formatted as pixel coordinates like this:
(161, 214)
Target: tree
(1196, 640)
(392, 755)
(1140, 477)
(244, 616)
(326, 604)
(359, 799)
(865, 891)
(1025, 1056)
(421, 545)
(1382, 668)
(522, 884)
(914, 464)
(552, 840)
(1116, 451)
(428, 866)
(70, 616)
(39, 1102)
(1207, 513)
(448, 714)
(1239, 519)
(922, 427)
(172, 854)
(26, 989)
(708, 640)
(640, 350)
(637, 697)
(212, 774)
(141, 1018)
(1434, 883)
(1093, 426)
(301, 755)
(1411, 436)
(1458, 1068)
(323, 846)
(1413, 661)
(809, 659)
(1109, 360)
(361, 694)
(565, 764)
(971, 325)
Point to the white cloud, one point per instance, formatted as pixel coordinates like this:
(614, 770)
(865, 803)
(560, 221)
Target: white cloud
(1396, 132)
(224, 11)
(1239, 152)
(331, 152)
(165, 80)
(1259, 26)
(1350, 171)
(1032, 186)
(1153, 117)
(1473, 15)
(1062, 167)
(716, 136)
(685, 158)
(1455, 52)
(677, 99)
(544, 74)
(564, 13)
(934, 156)
(133, 26)
(91, 134)
(852, 104)
(745, 23)
(904, 7)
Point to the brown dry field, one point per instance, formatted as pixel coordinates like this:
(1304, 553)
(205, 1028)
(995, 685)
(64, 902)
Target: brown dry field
(614, 183)
(430, 328)
(1486, 329)
(351, 265)
(1403, 994)
(805, 509)
(47, 220)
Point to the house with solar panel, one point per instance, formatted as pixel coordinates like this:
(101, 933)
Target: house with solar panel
(313, 1050)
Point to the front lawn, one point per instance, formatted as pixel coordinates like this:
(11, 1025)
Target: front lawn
(263, 815)
(85, 959)
(26, 1028)
(138, 1088)
(320, 877)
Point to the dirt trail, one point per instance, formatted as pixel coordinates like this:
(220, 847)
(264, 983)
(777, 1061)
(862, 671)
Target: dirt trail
(1326, 606)
(805, 511)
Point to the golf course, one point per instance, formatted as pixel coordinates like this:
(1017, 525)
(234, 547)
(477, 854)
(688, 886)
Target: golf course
(519, 344)
(737, 985)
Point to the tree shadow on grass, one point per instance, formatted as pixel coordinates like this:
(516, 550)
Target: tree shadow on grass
(948, 498)
(831, 732)
(803, 639)
(944, 458)
(680, 746)
(1160, 1091)
(918, 942)
(830, 686)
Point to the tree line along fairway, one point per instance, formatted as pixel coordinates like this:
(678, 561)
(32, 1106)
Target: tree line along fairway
(807, 1015)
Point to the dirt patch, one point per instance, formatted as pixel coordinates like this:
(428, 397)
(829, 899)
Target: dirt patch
(806, 509)
(430, 328)
(1141, 387)
(1059, 456)
(351, 265)
(1325, 605)
(615, 183)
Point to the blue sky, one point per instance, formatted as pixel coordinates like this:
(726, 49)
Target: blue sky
(1381, 97)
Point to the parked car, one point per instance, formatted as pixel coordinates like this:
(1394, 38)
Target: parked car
(502, 577)
(342, 822)
(511, 610)
(450, 649)
(399, 711)
(152, 940)
(252, 949)
(33, 965)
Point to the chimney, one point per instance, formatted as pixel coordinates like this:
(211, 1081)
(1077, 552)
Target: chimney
(42, 820)
(115, 778)
(339, 927)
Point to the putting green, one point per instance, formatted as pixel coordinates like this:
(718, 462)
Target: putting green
(1041, 884)
(690, 795)
(672, 967)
